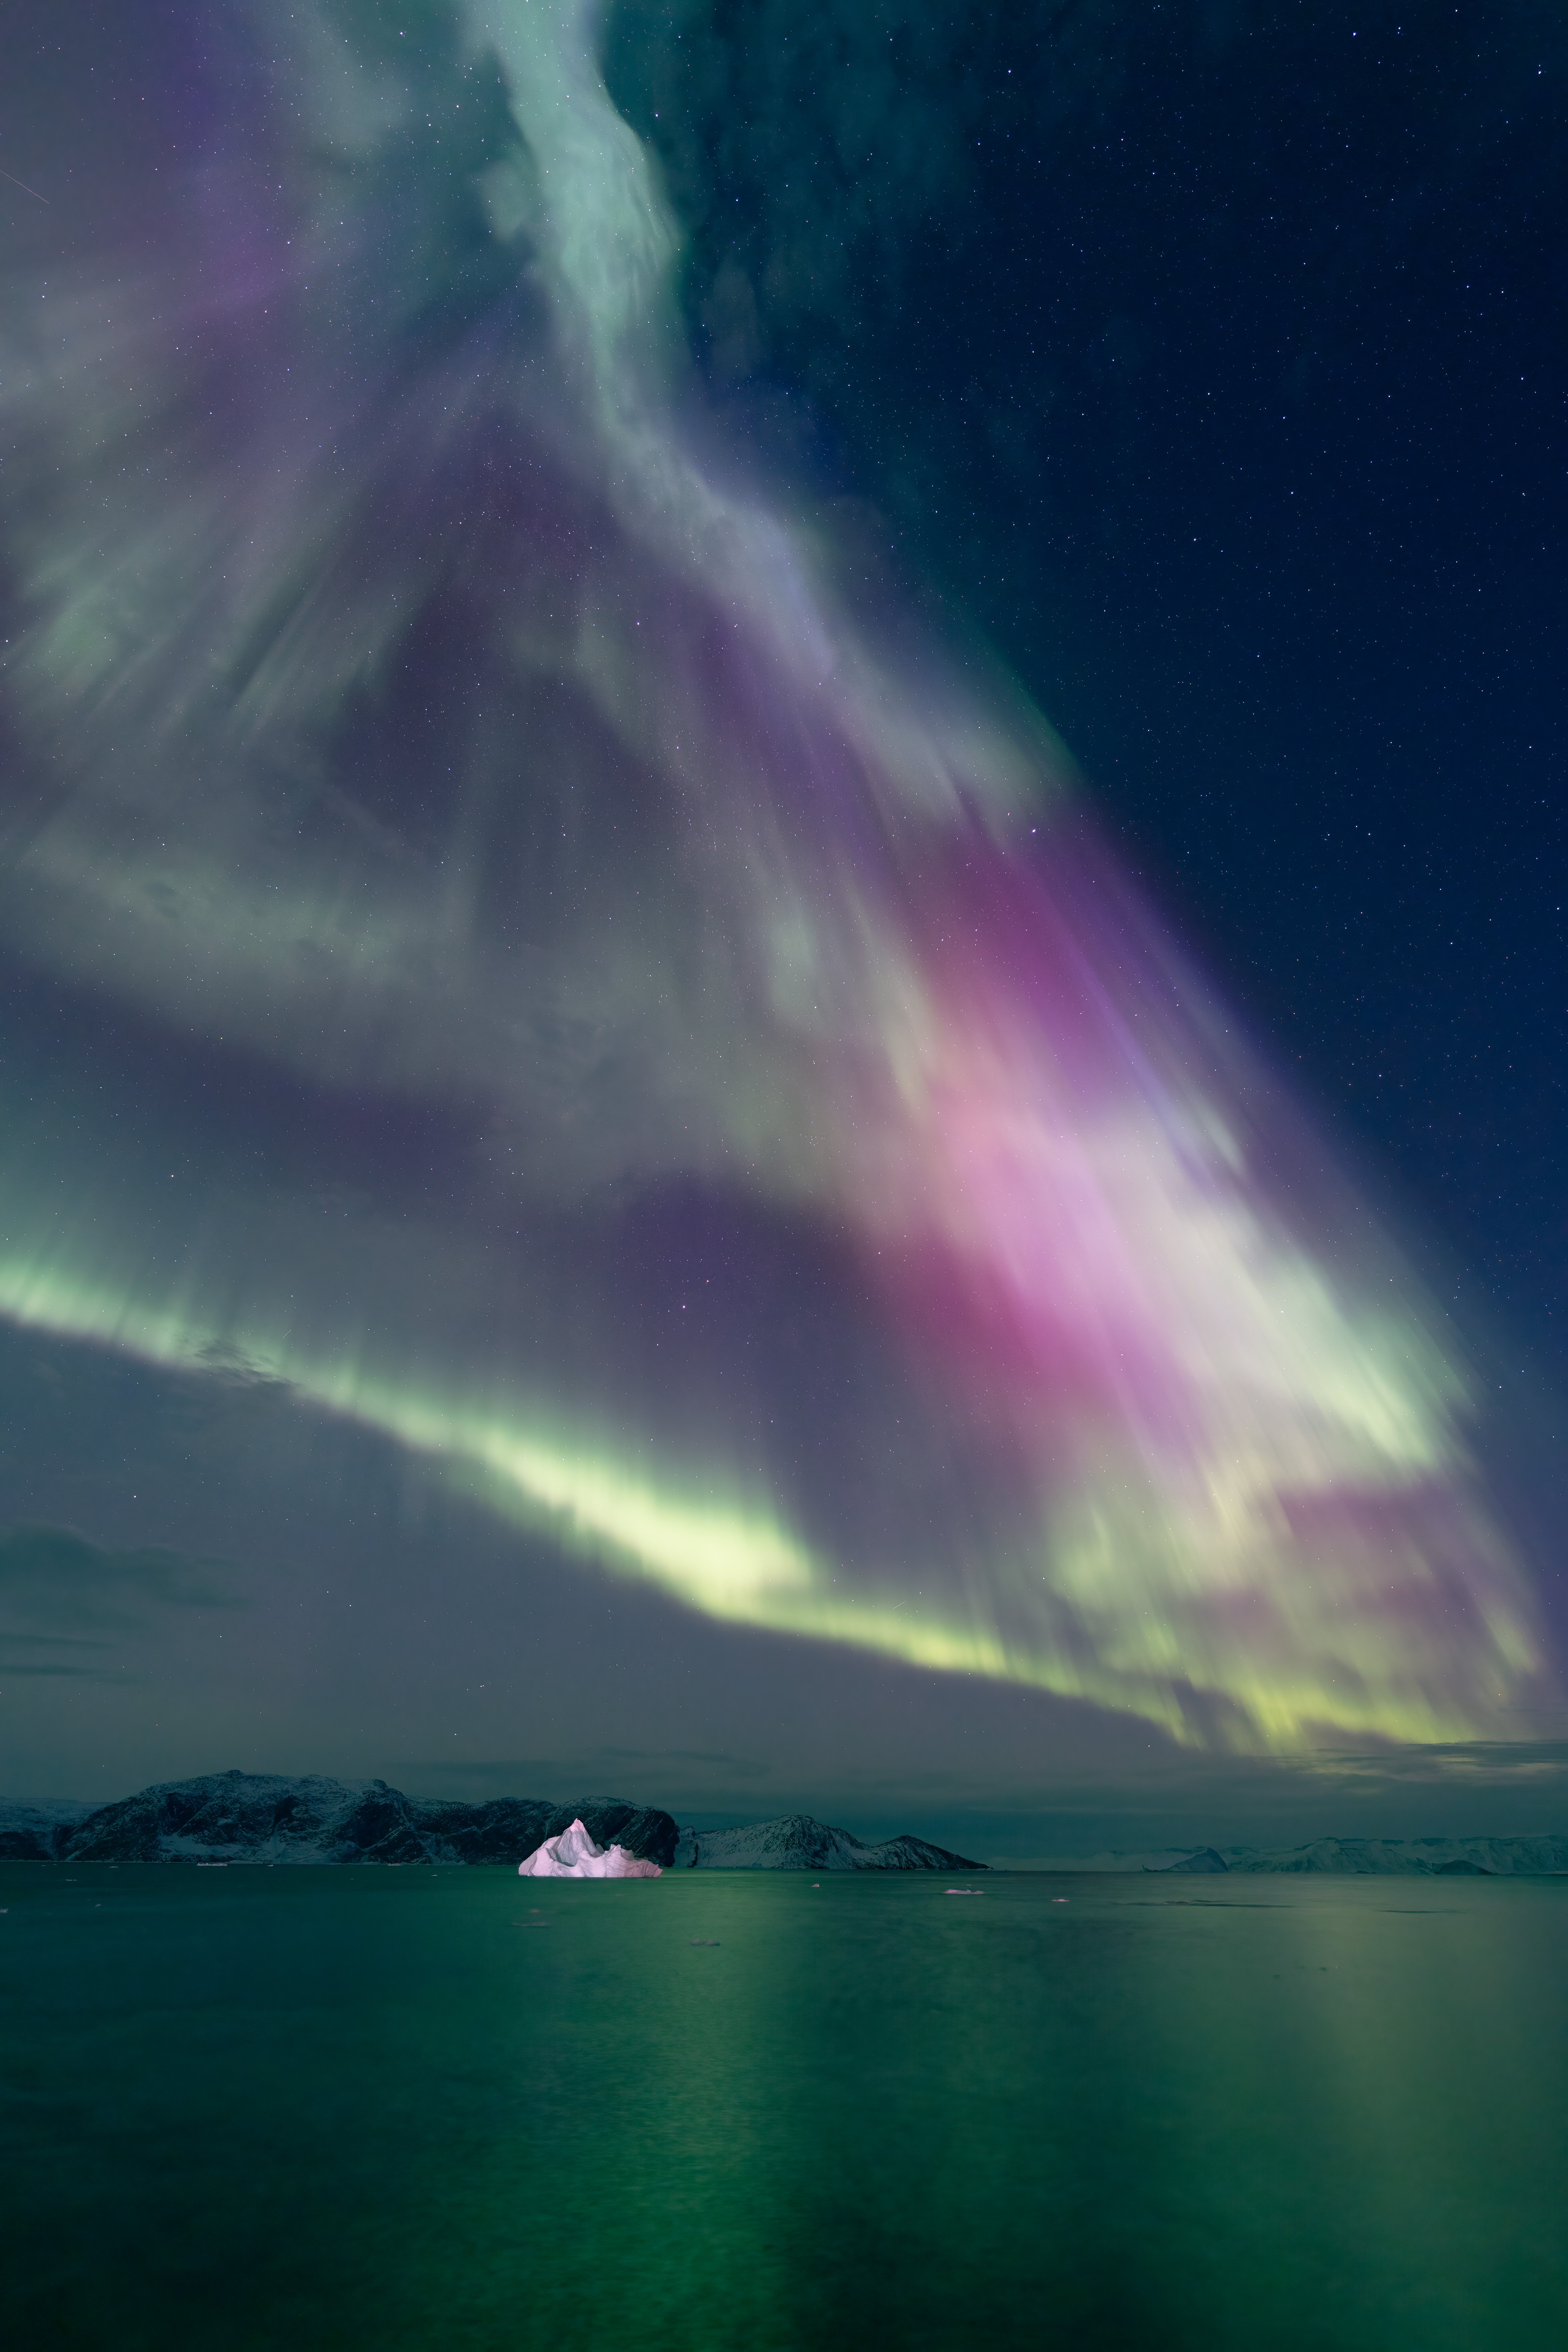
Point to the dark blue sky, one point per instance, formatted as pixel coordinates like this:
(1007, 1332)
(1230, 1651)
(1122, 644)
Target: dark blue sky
(1212, 357)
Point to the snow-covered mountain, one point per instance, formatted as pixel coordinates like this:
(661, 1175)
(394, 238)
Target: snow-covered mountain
(796, 1841)
(1479, 1857)
(35, 1833)
(574, 1854)
(264, 1817)
(1510, 1857)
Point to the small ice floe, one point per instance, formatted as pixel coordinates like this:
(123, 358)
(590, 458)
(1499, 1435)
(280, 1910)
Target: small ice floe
(574, 1854)
(964, 1890)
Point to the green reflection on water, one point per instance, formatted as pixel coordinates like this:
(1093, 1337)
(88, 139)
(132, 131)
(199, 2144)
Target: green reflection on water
(396, 2108)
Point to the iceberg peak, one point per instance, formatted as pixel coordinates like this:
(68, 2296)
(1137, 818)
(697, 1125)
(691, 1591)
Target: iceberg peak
(574, 1854)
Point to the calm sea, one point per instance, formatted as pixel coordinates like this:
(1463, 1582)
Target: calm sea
(452, 2108)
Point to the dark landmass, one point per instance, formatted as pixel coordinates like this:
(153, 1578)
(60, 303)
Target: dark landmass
(258, 1817)
(1206, 1859)
(796, 1841)
(1479, 1857)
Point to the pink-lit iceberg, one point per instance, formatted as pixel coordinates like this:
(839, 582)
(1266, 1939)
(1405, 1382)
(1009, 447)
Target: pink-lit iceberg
(574, 1854)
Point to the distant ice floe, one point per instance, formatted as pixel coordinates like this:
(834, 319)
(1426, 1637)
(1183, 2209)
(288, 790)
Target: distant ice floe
(574, 1854)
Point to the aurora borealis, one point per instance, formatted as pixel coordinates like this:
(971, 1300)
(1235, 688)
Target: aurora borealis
(507, 835)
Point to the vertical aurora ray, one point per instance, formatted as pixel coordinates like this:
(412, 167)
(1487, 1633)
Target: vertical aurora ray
(418, 727)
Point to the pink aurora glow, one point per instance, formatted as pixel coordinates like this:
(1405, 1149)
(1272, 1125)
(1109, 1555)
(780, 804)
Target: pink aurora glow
(689, 860)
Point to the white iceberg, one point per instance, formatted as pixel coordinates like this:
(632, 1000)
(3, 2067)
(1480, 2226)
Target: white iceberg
(574, 1854)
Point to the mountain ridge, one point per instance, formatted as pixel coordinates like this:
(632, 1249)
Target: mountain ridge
(271, 1818)
(267, 1817)
(1511, 1857)
(275, 1817)
(799, 1841)
(1525, 1856)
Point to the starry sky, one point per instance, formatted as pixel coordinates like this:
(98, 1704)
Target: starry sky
(779, 907)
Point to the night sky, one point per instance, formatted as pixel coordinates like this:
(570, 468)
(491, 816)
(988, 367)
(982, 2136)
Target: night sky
(781, 910)
(1214, 366)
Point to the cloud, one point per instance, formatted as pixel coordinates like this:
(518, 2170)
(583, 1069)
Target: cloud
(1444, 1763)
(503, 1776)
(53, 1576)
(720, 1758)
(15, 1659)
(52, 1641)
(529, 1776)
(11, 1672)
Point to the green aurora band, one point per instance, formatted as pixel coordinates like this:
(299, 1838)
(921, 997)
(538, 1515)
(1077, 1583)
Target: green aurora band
(417, 711)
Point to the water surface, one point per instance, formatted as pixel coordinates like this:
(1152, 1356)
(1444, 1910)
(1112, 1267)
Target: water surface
(451, 2108)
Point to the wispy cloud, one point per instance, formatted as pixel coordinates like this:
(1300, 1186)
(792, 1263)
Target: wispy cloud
(1475, 1761)
(11, 1669)
(514, 1775)
(714, 1758)
(52, 1641)
(54, 1577)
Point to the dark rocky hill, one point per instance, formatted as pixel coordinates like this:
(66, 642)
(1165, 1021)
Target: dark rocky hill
(797, 1842)
(35, 1833)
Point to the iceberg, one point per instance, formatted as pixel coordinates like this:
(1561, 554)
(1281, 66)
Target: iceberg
(574, 1854)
